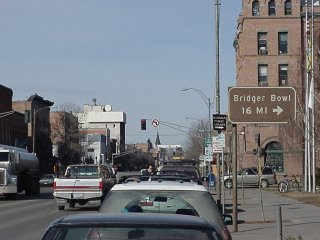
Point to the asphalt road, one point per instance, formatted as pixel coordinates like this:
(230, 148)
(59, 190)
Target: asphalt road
(27, 217)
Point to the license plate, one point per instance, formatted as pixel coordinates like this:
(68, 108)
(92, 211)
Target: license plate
(78, 196)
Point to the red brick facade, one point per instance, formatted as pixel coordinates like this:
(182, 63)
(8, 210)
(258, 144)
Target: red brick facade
(283, 143)
(13, 130)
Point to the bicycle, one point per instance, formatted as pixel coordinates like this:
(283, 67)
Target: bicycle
(291, 184)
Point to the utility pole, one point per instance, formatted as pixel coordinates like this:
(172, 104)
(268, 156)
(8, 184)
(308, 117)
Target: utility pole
(217, 7)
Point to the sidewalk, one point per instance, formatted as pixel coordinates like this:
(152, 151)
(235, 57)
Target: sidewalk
(258, 221)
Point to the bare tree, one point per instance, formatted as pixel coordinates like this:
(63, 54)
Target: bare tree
(65, 134)
(195, 142)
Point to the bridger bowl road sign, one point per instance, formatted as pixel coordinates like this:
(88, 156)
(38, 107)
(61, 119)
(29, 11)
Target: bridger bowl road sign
(262, 104)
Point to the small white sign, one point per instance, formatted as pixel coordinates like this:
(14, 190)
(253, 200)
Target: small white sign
(155, 122)
(208, 154)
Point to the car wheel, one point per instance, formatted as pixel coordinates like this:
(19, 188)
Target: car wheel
(228, 183)
(264, 183)
(61, 207)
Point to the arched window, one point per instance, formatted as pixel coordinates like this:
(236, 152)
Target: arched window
(287, 7)
(274, 156)
(256, 8)
(272, 8)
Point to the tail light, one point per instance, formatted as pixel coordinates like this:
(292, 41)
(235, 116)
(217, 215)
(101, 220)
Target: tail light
(226, 235)
(100, 184)
(146, 203)
(54, 184)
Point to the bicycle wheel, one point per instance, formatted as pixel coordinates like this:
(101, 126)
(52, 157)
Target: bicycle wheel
(296, 186)
(283, 187)
(289, 183)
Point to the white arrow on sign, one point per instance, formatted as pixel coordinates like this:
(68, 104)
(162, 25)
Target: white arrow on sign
(278, 110)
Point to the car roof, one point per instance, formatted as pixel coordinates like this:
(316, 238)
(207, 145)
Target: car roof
(131, 219)
(158, 176)
(186, 162)
(159, 185)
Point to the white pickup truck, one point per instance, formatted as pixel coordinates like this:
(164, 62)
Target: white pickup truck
(83, 183)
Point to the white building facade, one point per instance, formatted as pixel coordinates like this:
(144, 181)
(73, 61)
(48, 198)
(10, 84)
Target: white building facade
(98, 119)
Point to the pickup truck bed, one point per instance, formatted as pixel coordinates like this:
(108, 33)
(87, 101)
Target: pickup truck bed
(81, 189)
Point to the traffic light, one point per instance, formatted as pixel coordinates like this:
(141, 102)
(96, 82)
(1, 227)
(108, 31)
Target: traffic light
(143, 124)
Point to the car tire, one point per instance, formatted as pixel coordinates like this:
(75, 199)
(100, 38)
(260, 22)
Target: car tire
(60, 207)
(264, 183)
(228, 183)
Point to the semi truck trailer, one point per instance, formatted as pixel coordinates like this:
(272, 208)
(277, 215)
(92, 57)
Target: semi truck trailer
(19, 171)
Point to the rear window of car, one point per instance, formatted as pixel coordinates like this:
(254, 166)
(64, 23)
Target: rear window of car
(134, 233)
(195, 203)
(267, 171)
(193, 172)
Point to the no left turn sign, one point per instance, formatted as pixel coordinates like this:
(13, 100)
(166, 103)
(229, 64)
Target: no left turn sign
(155, 122)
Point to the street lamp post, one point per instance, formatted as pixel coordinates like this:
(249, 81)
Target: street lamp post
(207, 101)
(34, 126)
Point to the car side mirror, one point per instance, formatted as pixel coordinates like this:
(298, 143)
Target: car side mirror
(227, 218)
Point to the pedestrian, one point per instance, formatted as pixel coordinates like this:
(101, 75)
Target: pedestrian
(57, 169)
(150, 169)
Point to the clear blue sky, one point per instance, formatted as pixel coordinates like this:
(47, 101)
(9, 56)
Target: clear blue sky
(135, 55)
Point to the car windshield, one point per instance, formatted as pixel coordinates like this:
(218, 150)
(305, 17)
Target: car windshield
(134, 233)
(195, 203)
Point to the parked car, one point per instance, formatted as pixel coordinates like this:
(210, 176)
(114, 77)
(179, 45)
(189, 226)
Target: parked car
(136, 226)
(47, 180)
(174, 197)
(250, 177)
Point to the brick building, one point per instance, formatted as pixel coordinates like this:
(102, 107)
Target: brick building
(270, 52)
(38, 128)
(13, 129)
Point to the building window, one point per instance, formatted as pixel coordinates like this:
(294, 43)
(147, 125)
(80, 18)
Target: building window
(287, 7)
(272, 8)
(262, 43)
(262, 75)
(283, 74)
(256, 8)
(283, 42)
(274, 156)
